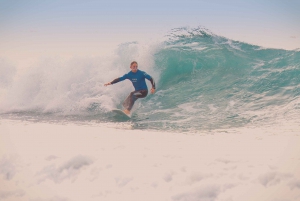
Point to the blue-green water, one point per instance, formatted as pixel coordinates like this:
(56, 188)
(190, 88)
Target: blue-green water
(204, 81)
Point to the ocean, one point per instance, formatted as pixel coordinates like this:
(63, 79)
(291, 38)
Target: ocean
(204, 82)
(223, 124)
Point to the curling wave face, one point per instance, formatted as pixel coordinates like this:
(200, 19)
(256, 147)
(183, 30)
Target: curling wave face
(204, 81)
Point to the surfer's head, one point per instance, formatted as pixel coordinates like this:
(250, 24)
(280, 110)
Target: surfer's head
(134, 66)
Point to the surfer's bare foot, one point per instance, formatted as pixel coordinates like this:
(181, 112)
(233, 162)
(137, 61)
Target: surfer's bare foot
(126, 111)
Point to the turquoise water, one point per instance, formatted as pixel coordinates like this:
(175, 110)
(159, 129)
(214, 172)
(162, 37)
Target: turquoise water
(204, 81)
(211, 82)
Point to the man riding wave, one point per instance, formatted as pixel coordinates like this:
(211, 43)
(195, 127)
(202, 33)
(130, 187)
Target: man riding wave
(137, 77)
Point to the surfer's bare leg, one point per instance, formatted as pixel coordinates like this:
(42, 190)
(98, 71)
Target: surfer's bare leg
(131, 98)
(126, 111)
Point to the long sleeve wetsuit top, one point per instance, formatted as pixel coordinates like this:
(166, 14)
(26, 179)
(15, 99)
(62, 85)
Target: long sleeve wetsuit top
(137, 79)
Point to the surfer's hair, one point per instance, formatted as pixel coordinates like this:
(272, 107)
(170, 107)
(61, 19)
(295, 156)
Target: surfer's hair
(134, 62)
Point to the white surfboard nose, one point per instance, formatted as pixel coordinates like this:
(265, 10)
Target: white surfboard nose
(121, 113)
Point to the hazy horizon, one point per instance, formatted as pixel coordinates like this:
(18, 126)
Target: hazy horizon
(31, 29)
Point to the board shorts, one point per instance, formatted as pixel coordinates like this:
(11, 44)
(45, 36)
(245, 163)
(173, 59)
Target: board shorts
(133, 96)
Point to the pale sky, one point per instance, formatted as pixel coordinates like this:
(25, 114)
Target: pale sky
(30, 28)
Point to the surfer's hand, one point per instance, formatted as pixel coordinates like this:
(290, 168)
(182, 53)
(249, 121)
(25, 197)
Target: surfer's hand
(152, 90)
(107, 84)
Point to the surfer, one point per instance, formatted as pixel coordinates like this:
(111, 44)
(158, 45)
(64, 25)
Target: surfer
(137, 77)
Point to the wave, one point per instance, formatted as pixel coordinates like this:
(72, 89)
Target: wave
(204, 81)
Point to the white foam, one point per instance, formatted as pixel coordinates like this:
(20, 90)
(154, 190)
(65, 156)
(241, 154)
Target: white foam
(74, 84)
(40, 161)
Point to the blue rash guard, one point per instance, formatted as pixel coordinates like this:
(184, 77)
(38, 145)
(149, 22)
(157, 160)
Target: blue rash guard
(137, 79)
(139, 83)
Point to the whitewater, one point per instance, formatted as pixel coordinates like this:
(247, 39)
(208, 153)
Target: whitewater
(223, 125)
(204, 81)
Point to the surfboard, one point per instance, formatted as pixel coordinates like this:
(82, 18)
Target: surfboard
(121, 113)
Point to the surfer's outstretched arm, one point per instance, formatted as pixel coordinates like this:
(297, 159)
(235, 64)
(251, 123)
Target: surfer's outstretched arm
(113, 82)
(117, 80)
(106, 84)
